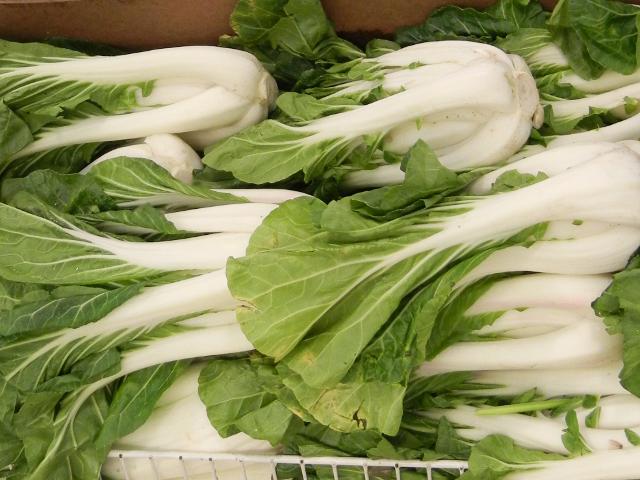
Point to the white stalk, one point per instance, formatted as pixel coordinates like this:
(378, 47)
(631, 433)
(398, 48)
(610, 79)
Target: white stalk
(581, 344)
(617, 412)
(448, 51)
(152, 307)
(233, 218)
(205, 252)
(216, 340)
(550, 162)
(398, 80)
(203, 138)
(601, 190)
(166, 150)
(538, 433)
(214, 108)
(492, 144)
(573, 230)
(541, 290)
(609, 80)
(553, 382)
(603, 465)
(234, 70)
(628, 129)
(436, 133)
(167, 91)
(169, 429)
(535, 321)
(156, 305)
(264, 195)
(176, 200)
(596, 254)
(481, 85)
(463, 144)
(582, 106)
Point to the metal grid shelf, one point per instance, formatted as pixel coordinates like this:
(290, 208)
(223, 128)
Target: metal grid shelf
(208, 465)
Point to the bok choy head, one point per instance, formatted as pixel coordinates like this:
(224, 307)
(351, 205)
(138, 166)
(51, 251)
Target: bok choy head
(59, 106)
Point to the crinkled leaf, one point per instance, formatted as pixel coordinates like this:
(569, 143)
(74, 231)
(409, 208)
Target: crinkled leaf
(76, 194)
(496, 456)
(244, 395)
(453, 22)
(140, 180)
(70, 311)
(619, 306)
(133, 402)
(37, 250)
(513, 180)
(144, 219)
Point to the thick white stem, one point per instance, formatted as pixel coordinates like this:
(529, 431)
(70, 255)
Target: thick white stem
(582, 106)
(549, 162)
(206, 252)
(582, 344)
(203, 138)
(617, 412)
(535, 321)
(237, 71)
(481, 85)
(538, 433)
(398, 80)
(234, 218)
(214, 108)
(604, 465)
(541, 290)
(166, 150)
(609, 80)
(156, 305)
(448, 51)
(601, 253)
(598, 380)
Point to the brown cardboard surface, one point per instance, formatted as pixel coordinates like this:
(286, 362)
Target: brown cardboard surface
(143, 24)
(157, 23)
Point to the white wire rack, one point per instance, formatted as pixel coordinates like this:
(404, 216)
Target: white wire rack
(145, 465)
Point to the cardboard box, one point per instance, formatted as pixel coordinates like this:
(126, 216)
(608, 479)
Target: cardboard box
(143, 24)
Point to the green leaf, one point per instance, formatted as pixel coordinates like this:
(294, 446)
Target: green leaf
(449, 442)
(292, 38)
(633, 437)
(271, 152)
(496, 456)
(39, 251)
(593, 419)
(513, 180)
(572, 438)
(133, 402)
(607, 30)
(452, 323)
(53, 313)
(144, 219)
(76, 194)
(453, 22)
(14, 294)
(139, 180)
(68, 159)
(299, 107)
(380, 46)
(243, 395)
(14, 134)
(426, 182)
(620, 308)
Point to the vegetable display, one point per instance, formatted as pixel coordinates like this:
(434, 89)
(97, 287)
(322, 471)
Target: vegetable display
(427, 248)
